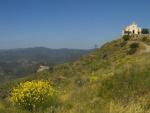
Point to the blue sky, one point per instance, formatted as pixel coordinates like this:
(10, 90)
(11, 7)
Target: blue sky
(67, 23)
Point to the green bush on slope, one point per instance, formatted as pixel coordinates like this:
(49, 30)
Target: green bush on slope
(126, 37)
(133, 48)
(134, 45)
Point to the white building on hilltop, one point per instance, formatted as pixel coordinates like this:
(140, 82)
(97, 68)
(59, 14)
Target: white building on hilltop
(132, 29)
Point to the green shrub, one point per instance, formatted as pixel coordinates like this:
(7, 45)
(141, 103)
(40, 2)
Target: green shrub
(127, 32)
(122, 44)
(145, 31)
(126, 37)
(144, 39)
(132, 48)
(134, 45)
(33, 95)
(131, 51)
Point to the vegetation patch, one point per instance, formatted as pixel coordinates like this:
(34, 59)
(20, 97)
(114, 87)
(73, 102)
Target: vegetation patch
(144, 38)
(133, 48)
(33, 95)
(130, 108)
(126, 37)
(128, 83)
(145, 31)
(134, 45)
(122, 44)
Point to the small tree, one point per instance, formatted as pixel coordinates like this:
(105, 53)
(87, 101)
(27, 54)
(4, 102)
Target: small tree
(127, 32)
(145, 31)
(126, 37)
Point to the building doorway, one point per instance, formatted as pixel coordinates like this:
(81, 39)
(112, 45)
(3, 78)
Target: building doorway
(133, 31)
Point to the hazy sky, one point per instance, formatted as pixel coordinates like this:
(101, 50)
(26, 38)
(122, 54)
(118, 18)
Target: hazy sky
(67, 23)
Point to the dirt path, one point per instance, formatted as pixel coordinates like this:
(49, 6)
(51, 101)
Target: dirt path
(147, 47)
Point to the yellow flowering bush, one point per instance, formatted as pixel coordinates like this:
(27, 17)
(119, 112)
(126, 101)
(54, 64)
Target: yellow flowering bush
(33, 94)
(93, 78)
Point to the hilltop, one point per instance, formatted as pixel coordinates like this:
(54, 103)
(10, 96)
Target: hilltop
(112, 79)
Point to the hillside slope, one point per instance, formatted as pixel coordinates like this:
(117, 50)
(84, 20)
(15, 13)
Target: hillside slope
(112, 79)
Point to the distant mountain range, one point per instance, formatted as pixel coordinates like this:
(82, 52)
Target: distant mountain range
(22, 62)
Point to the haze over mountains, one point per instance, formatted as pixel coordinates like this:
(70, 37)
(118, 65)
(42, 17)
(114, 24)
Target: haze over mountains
(25, 61)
